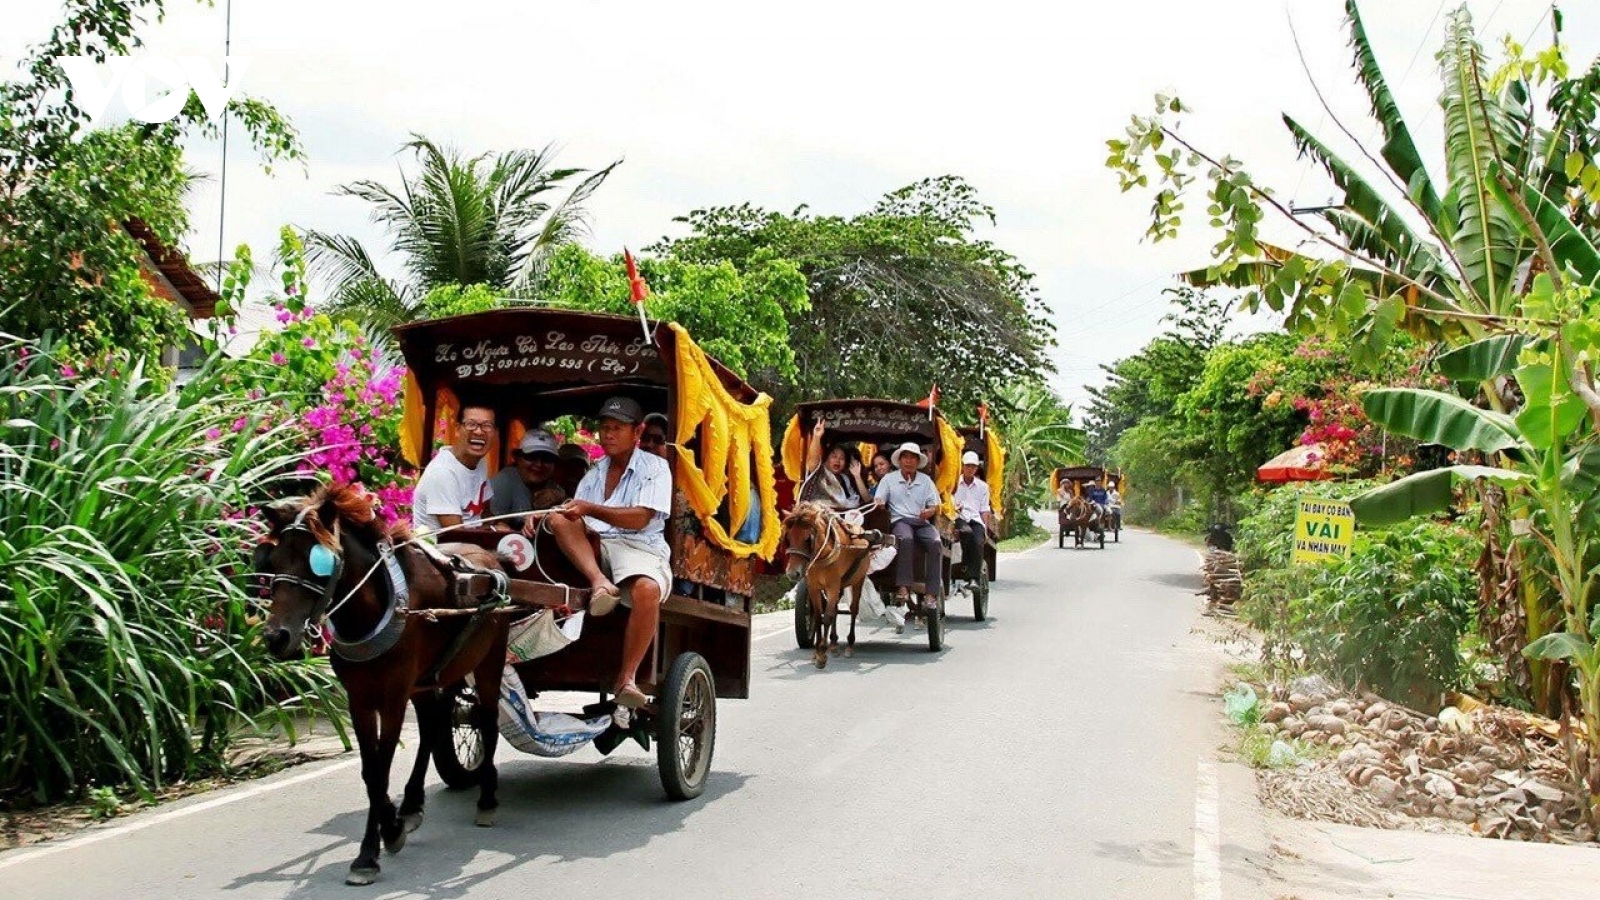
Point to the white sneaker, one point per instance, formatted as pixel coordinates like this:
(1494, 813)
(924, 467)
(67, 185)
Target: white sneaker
(896, 618)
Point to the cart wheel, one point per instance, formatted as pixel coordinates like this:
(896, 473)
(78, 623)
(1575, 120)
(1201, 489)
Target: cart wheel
(935, 622)
(458, 752)
(803, 638)
(686, 726)
(980, 595)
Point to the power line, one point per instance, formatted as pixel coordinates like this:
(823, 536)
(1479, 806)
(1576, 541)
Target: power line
(222, 207)
(1426, 33)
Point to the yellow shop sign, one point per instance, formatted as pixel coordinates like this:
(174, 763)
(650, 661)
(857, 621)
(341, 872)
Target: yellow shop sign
(1322, 530)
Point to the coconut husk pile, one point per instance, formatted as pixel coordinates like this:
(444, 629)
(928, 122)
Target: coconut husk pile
(1224, 581)
(1495, 771)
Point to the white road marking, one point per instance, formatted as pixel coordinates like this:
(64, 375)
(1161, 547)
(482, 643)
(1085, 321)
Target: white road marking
(157, 818)
(1207, 834)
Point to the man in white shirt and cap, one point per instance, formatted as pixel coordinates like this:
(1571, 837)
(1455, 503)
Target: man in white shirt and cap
(625, 499)
(974, 514)
(913, 501)
(454, 487)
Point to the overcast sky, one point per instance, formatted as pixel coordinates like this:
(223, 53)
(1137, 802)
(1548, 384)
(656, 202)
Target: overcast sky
(826, 103)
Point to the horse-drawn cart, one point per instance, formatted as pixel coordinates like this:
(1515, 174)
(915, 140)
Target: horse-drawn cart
(532, 366)
(882, 425)
(1078, 517)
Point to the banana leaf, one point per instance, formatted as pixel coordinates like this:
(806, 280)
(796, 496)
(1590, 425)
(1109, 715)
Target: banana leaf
(1437, 418)
(1485, 359)
(1422, 494)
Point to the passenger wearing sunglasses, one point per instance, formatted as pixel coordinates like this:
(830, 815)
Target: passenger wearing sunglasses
(454, 488)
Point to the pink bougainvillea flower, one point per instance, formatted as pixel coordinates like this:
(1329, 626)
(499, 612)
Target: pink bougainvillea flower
(278, 359)
(240, 424)
(284, 316)
(308, 342)
(68, 372)
(213, 434)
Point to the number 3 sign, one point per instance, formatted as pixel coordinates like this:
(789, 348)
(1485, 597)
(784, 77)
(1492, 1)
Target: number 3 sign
(518, 549)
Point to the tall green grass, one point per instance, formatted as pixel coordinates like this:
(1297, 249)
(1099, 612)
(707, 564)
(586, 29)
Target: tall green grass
(128, 650)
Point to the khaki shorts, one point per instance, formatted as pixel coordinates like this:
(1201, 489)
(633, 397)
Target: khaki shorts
(622, 560)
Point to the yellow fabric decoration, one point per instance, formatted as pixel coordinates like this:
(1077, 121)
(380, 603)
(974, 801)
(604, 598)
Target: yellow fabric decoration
(997, 471)
(794, 451)
(951, 444)
(732, 435)
(1055, 483)
(412, 428)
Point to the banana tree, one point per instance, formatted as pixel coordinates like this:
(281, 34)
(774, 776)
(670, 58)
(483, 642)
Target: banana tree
(1447, 255)
(1551, 477)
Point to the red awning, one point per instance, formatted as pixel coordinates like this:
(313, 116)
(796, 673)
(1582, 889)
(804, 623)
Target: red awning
(1305, 463)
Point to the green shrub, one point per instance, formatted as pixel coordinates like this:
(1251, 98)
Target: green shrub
(1392, 617)
(128, 655)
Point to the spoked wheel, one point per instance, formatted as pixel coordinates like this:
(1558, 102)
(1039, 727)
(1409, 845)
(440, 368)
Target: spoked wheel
(686, 726)
(934, 619)
(803, 638)
(458, 753)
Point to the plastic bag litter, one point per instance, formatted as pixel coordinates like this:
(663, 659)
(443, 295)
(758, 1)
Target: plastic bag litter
(539, 635)
(1242, 705)
(1281, 755)
(542, 733)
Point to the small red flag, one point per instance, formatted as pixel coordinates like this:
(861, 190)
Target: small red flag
(637, 289)
(983, 412)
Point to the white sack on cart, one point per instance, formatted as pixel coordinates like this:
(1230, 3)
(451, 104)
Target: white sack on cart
(542, 733)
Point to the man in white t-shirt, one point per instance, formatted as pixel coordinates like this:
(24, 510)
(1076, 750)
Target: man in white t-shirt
(454, 487)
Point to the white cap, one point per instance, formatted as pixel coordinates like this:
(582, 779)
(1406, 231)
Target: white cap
(970, 458)
(910, 447)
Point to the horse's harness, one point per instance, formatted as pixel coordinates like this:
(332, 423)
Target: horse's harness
(829, 523)
(328, 565)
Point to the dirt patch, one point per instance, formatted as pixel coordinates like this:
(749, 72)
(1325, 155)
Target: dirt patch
(1473, 769)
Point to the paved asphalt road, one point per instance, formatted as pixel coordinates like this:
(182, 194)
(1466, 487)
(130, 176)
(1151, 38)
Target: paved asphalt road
(1050, 752)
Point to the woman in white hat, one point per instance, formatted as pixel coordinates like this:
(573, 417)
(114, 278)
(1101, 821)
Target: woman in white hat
(913, 501)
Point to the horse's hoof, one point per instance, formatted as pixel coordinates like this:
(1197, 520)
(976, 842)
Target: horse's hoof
(362, 875)
(849, 652)
(821, 661)
(398, 842)
(484, 818)
(412, 822)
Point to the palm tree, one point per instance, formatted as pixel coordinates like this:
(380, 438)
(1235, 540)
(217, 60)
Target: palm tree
(490, 219)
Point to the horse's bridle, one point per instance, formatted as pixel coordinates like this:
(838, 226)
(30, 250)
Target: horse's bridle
(322, 591)
(825, 522)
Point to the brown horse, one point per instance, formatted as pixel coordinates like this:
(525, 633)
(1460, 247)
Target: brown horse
(325, 559)
(1080, 517)
(832, 561)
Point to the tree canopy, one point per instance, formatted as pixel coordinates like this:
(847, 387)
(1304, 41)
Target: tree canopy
(67, 264)
(902, 296)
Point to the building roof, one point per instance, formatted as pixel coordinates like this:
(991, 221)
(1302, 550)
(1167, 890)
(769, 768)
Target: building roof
(170, 275)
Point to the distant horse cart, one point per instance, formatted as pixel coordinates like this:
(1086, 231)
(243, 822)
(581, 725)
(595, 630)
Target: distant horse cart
(1076, 515)
(434, 618)
(871, 425)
